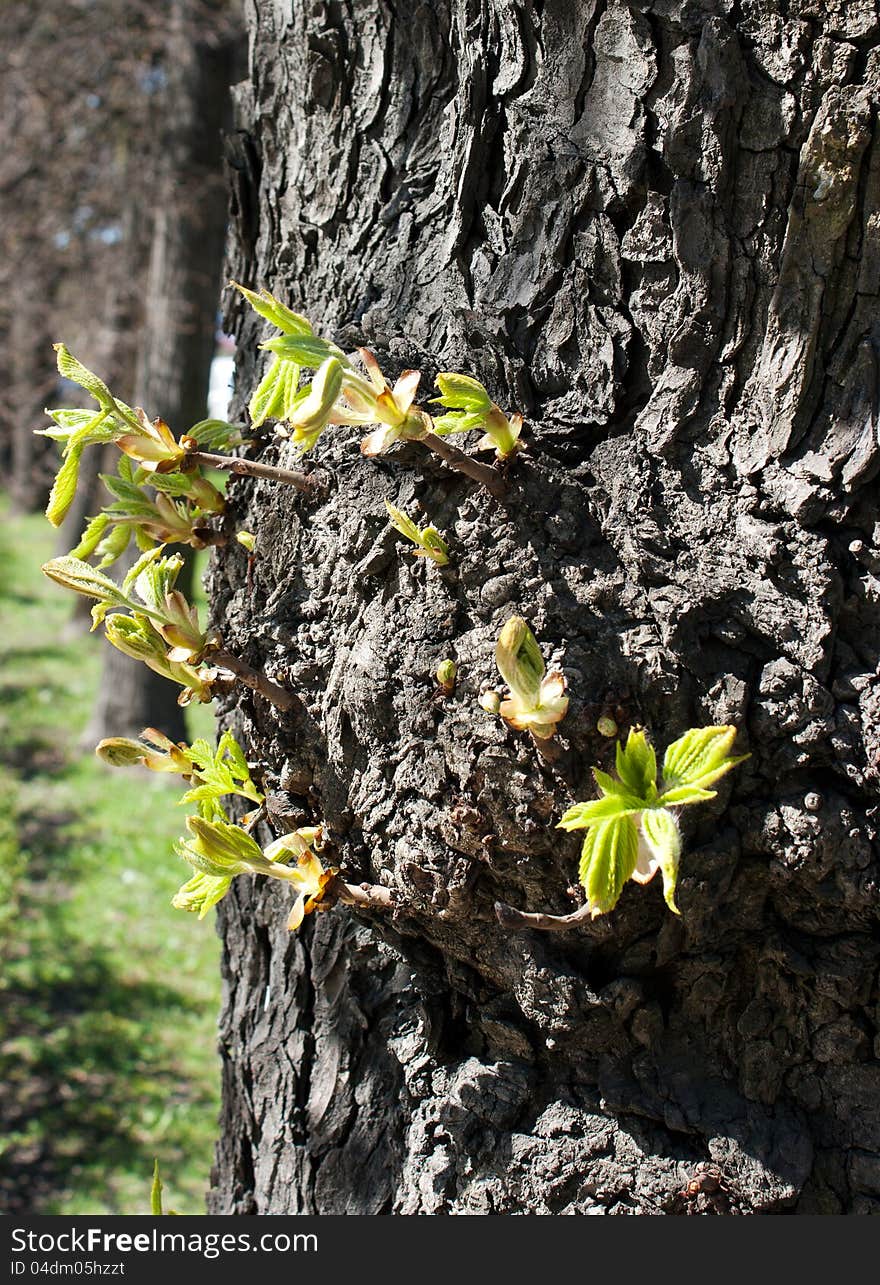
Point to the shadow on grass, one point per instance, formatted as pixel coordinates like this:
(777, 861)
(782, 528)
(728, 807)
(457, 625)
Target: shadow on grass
(19, 599)
(84, 1068)
(106, 1055)
(83, 1083)
(48, 651)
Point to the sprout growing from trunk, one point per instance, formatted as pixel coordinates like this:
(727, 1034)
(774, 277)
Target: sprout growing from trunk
(428, 540)
(537, 702)
(211, 773)
(339, 394)
(445, 675)
(471, 407)
(162, 629)
(218, 852)
(170, 465)
(632, 830)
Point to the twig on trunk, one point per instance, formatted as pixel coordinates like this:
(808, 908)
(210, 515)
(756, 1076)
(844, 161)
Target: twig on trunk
(305, 482)
(366, 896)
(256, 681)
(482, 473)
(518, 920)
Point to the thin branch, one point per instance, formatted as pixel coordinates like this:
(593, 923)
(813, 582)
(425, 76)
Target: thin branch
(518, 920)
(482, 473)
(305, 482)
(256, 681)
(366, 896)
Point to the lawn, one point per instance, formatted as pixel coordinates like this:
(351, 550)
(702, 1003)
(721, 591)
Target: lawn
(108, 996)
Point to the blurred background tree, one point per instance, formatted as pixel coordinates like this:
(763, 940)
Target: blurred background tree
(81, 93)
(113, 216)
(181, 294)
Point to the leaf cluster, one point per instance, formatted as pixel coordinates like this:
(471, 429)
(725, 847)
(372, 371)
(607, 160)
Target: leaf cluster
(150, 453)
(632, 829)
(219, 851)
(151, 621)
(340, 394)
(428, 541)
(536, 702)
(470, 407)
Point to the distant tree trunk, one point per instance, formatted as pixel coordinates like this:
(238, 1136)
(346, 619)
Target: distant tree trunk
(32, 386)
(114, 355)
(651, 227)
(183, 287)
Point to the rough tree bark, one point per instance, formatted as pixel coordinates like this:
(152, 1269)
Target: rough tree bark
(648, 226)
(182, 294)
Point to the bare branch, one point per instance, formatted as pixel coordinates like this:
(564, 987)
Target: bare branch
(306, 482)
(519, 920)
(366, 896)
(482, 473)
(257, 682)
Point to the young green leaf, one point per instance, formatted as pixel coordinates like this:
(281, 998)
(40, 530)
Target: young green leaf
(460, 392)
(457, 422)
(661, 838)
(608, 785)
(220, 849)
(77, 575)
(220, 772)
(402, 523)
(472, 407)
(637, 764)
(268, 398)
(114, 544)
(64, 487)
(697, 760)
(77, 373)
(70, 422)
(135, 573)
(428, 540)
(91, 537)
(608, 859)
(266, 305)
(201, 892)
(292, 394)
(312, 414)
(305, 350)
(582, 815)
(216, 434)
(135, 636)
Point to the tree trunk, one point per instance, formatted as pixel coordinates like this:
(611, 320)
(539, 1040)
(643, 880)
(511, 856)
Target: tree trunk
(32, 386)
(182, 297)
(648, 227)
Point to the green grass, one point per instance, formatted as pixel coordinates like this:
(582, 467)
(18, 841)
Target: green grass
(108, 997)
